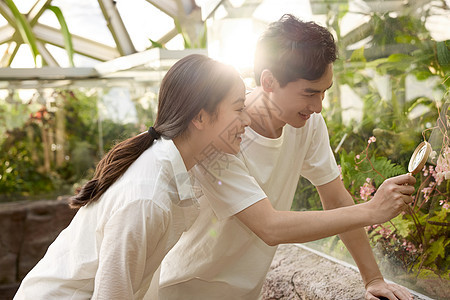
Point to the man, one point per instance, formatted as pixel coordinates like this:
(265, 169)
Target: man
(227, 252)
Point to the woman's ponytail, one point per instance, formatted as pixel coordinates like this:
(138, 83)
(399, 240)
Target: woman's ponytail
(112, 166)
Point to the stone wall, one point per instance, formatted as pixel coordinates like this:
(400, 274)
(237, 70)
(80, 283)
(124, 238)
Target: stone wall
(27, 229)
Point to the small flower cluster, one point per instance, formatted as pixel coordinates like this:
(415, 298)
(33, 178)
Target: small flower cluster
(358, 158)
(409, 247)
(439, 173)
(390, 238)
(444, 204)
(386, 233)
(427, 191)
(443, 166)
(366, 190)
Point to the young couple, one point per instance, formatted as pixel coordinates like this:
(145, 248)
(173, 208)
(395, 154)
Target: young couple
(133, 212)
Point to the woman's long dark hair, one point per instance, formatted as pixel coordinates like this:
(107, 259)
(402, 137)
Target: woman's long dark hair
(194, 83)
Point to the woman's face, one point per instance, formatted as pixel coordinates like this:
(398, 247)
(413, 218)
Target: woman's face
(226, 129)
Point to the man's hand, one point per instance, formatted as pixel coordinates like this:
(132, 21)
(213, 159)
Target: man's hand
(379, 289)
(392, 197)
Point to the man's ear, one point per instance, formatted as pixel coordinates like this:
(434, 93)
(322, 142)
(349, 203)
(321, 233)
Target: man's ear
(267, 80)
(201, 120)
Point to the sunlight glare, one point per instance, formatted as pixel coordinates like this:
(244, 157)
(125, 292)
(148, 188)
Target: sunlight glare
(233, 42)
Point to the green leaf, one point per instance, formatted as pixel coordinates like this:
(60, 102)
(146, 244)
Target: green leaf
(404, 39)
(441, 216)
(403, 225)
(24, 29)
(436, 249)
(358, 55)
(187, 40)
(155, 44)
(443, 52)
(65, 32)
(422, 75)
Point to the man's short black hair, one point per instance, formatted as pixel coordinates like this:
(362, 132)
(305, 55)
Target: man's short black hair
(292, 49)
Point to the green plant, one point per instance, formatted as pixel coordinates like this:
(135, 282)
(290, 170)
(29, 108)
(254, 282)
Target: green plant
(197, 42)
(48, 150)
(65, 32)
(26, 35)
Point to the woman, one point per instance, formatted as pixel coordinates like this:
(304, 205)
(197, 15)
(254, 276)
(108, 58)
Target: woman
(141, 200)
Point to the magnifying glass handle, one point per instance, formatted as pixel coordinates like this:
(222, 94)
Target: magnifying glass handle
(410, 174)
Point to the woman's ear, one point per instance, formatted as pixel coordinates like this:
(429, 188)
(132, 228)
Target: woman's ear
(267, 81)
(201, 120)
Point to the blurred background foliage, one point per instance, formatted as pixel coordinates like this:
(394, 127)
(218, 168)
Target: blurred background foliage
(48, 152)
(414, 247)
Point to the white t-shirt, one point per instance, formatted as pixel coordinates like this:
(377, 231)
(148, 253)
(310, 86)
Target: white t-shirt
(113, 246)
(219, 257)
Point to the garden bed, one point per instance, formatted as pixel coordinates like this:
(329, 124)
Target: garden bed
(299, 272)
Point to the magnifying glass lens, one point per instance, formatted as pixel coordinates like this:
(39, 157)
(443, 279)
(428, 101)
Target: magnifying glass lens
(419, 157)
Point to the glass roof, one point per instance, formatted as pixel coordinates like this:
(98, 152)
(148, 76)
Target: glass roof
(135, 23)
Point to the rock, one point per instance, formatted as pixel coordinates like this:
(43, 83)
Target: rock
(44, 222)
(28, 228)
(12, 224)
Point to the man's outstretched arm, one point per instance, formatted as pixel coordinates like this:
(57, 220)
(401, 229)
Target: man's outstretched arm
(334, 195)
(279, 227)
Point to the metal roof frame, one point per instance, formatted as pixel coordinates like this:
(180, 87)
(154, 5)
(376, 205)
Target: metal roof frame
(185, 12)
(147, 67)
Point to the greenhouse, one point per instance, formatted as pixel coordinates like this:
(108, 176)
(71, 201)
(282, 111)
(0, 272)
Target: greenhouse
(360, 111)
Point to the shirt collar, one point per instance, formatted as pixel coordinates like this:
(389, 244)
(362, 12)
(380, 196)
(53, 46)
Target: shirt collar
(181, 175)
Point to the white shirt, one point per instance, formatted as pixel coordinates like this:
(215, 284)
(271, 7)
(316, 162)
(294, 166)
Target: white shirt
(219, 257)
(113, 246)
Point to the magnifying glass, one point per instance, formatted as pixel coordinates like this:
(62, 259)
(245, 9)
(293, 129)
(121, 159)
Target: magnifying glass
(419, 158)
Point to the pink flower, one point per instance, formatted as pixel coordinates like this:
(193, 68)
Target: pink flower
(372, 139)
(442, 171)
(426, 193)
(385, 232)
(409, 247)
(340, 172)
(366, 190)
(425, 171)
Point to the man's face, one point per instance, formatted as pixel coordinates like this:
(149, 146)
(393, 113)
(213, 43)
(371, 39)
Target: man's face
(296, 101)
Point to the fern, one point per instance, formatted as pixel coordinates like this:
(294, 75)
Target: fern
(386, 168)
(355, 174)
